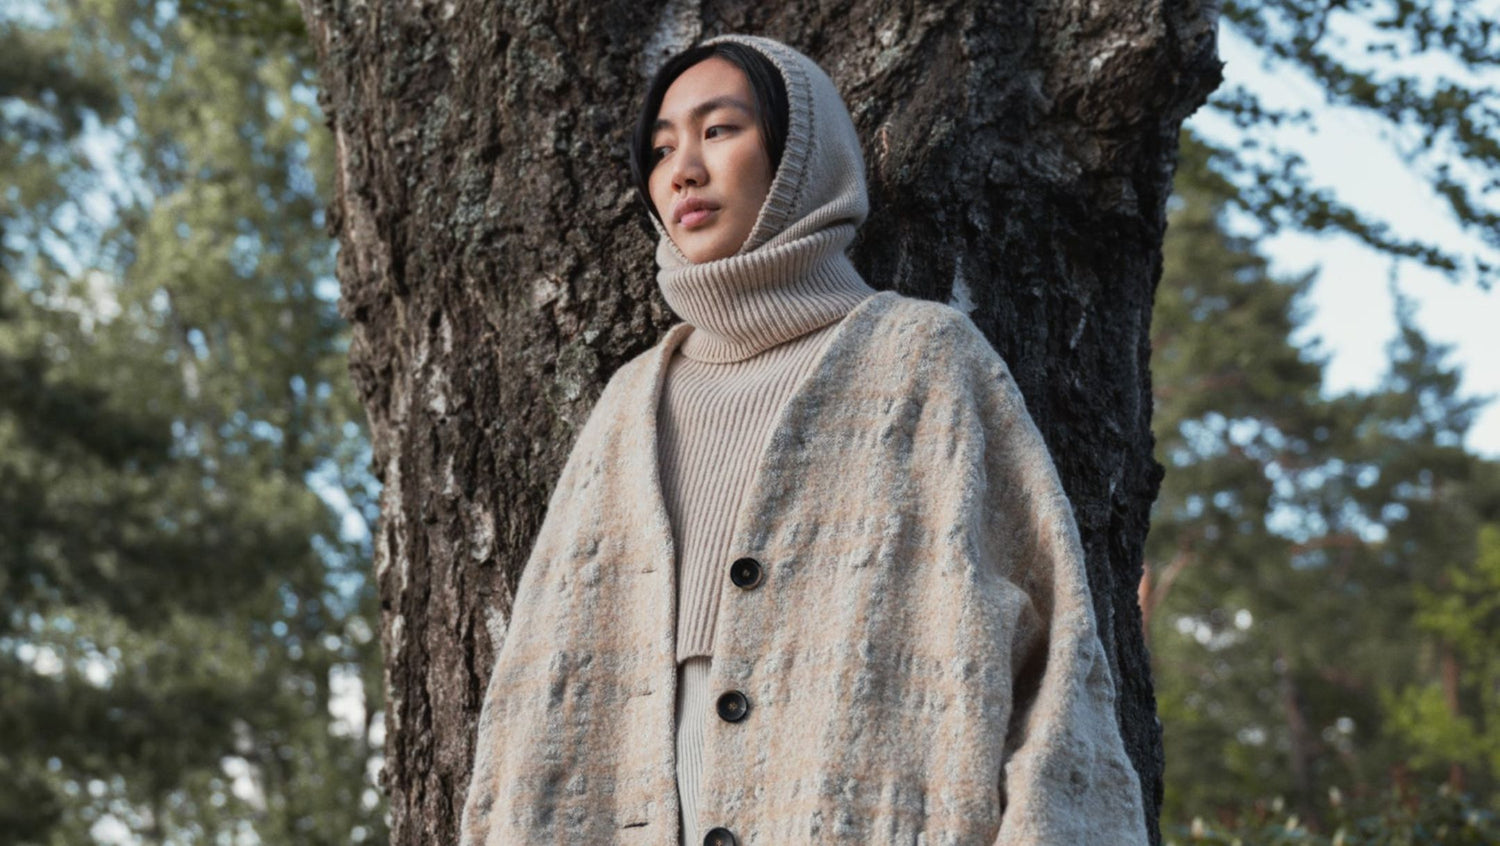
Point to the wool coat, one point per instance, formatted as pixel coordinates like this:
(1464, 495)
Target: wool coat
(918, 655)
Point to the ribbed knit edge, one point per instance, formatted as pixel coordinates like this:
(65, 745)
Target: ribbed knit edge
(692, 713)
(742, 308)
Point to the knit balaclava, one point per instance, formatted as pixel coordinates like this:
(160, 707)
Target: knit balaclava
(791, 275)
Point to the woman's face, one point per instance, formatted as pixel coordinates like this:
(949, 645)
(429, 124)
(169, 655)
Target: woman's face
(710, 171)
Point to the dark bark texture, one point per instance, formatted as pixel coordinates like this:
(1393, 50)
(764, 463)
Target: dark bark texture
(497, 268)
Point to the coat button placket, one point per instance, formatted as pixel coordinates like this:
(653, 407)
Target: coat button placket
(733, 706)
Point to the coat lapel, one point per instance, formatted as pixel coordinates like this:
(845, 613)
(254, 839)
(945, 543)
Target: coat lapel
(649, 773)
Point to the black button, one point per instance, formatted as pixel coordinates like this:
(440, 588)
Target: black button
(720, 837)
(733, 706)
(746, 573)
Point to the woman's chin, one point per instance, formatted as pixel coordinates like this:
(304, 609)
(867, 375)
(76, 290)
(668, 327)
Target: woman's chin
(699, 251)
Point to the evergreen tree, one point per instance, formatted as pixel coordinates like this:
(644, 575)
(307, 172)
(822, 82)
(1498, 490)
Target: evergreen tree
(1433, 500)
(1239, 424)
(1294, 536)
(1450, 720)
(180, 608)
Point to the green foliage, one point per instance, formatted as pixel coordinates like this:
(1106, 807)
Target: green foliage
(1404, 818)
(186, 627)
(1463, 615)
(263, 26)
(1465, 612)
(1304, 629)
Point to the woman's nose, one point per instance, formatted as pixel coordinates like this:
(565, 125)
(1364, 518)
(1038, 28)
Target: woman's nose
(687, 169)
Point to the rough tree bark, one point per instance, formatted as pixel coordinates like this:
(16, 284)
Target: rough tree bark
(497, 269)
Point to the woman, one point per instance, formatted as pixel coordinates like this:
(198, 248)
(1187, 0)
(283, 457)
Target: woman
(808, 575)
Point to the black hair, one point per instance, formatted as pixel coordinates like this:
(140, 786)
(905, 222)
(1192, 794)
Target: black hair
(771, 109)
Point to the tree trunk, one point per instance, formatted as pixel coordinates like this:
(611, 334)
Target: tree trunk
(1451, 698)
(1300, 735)
(497, 268)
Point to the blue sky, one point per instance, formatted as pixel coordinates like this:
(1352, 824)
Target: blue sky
(1359, 158)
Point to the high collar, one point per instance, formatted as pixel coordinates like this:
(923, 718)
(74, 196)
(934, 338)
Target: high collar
(791, 275)
(744, 304)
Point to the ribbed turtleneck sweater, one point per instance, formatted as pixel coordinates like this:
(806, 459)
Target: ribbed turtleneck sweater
(760, 321)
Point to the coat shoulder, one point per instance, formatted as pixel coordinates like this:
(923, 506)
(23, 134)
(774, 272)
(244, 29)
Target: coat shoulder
(636, 374)
(634, 369)
(939, 333)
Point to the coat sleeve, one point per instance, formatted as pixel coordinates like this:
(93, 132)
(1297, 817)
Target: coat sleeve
(1066, 778)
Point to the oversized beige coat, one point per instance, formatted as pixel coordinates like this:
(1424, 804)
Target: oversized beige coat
(920, 658)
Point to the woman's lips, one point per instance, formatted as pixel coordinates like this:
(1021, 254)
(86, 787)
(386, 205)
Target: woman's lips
(694, 218)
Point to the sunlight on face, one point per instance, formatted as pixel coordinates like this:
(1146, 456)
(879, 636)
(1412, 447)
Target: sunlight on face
(710, 172)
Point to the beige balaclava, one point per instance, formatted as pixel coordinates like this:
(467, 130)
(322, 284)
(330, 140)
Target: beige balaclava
(791, 275)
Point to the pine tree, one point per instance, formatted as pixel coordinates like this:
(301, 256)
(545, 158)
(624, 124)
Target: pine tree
(1434, 501)
(181, 608)
(1450, 720)
(1239, 426)
(1295, 536)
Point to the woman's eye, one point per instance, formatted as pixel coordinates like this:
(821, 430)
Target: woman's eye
(658, 153)
(713, 130)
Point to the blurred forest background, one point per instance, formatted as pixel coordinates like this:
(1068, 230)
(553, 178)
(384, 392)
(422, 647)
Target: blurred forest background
(187, 650)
